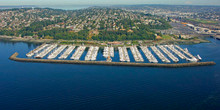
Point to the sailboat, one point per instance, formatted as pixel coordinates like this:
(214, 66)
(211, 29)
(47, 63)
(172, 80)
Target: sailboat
(199, 58)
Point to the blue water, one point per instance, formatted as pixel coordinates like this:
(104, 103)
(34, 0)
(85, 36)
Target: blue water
(37, 86)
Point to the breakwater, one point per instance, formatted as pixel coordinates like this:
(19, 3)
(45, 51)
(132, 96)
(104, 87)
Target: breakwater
(15, 58)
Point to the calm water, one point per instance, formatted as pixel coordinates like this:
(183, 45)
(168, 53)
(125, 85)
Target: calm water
(36, 86)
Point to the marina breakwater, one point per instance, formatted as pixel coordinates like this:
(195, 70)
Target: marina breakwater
(15, 58)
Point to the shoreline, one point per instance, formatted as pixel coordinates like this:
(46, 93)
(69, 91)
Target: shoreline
(156, 42)
(17, 39)
(15, 58)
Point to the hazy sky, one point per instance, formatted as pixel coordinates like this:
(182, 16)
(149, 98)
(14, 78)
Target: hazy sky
(107, 2)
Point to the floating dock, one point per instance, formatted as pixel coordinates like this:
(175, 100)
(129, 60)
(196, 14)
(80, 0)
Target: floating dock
(159, 54)
(123, 54)
(161, 51)
(108, 51)
(193, 59)
(46, 51)
(175, 59)
(78, 53)
(57, 52)
(148, 54)
(172, 48)
(67, 52)
(92, 53)
(89, 54)
(136, 54)
(111, 50)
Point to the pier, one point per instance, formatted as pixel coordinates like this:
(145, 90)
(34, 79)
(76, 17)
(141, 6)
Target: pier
(148, 54)
(57, 52)
(78, 53)
(123, 54)
(67, 52)
(172, 48)
(108, 51)
(36, 50)
(162, 51)
(89, 54)
(187, 53)
(46, 51)
(136, 54)
(92, 54)
(111, 50)
(14, 57)
(159, 54)
(175, 59)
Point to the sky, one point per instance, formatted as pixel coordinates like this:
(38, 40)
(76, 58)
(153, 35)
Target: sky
(107, 2)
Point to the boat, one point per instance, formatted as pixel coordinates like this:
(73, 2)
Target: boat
(192, 60)
(186, 50)
(199, 58)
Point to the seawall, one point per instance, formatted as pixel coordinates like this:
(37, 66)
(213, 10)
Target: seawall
(15, 58)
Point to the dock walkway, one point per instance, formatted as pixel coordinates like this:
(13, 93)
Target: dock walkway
(67, 52)
(78, 53)
(55, 53)
(186, 52)
(175, 59)
(177, 52)
(159, 54)
(36, 50)
(108, 51)
(148, 54)
(136, 54)
(123, 54)
(46, 51)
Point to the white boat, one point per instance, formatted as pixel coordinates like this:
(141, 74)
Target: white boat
(199, 58)
(186, 50)
(192, 60)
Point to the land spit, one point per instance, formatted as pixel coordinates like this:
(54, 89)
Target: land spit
(15, 58)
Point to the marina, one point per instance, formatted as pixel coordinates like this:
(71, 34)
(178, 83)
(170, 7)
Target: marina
(57, 52)
(46, 51)
(78, 53)
(159, 54)
(172, 48)
(175, 59)
(148, 54)
(92, 54)
(123, 54)
(39, 48)
(136, 54)
(179, 65)
(67, 52)
(89, 54)
(192, 58)
(108, 51)
(111, 49)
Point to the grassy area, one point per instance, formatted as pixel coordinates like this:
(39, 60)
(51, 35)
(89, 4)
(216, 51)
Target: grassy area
(203, 21)
(167, 37)
(66, 42)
